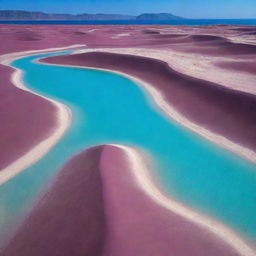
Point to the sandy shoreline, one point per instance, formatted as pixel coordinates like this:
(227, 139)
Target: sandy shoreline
(170, 110)
(143, 178)
(63, 118)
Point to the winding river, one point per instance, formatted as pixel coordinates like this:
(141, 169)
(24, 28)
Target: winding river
(109, 108)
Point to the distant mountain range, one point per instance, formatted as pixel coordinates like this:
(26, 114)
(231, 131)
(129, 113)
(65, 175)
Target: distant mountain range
(158, 16)
(26, 15)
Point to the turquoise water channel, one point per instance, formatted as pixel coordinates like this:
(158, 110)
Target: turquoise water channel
(109, 108)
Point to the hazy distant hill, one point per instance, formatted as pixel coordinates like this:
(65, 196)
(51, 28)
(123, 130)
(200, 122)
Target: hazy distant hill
(26, 15)
(158, 16)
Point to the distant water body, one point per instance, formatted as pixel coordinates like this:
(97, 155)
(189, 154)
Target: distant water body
(190, 22)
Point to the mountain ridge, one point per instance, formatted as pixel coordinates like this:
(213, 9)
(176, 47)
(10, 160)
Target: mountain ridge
(27, 15)
(158, 16)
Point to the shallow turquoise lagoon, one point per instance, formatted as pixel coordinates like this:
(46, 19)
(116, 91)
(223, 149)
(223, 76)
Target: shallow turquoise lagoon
(109, 108)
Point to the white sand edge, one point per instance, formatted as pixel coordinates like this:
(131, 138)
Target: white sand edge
(194, 65)
(168, 109)
(143, 178)
(63, 115)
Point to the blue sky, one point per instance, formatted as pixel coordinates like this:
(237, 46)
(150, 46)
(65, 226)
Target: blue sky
(185, 8)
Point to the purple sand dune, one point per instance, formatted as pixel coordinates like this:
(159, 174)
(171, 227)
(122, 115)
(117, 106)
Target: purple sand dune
(146, 31)
(200, 38)
(245, 29)
(95, 207)
(27, 37)
(222, 110)
(170, 36)
(203, 40)
(222, 48)
(246, 67)
(69, 219)
(207, 45)
(25, 119)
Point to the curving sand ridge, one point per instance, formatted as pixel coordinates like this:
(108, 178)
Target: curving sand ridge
(197, 65)
(142, 175)
(94, 208)
(63, 117)
(195, 103)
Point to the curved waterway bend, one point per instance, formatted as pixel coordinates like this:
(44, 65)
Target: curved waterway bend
(109, 108)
